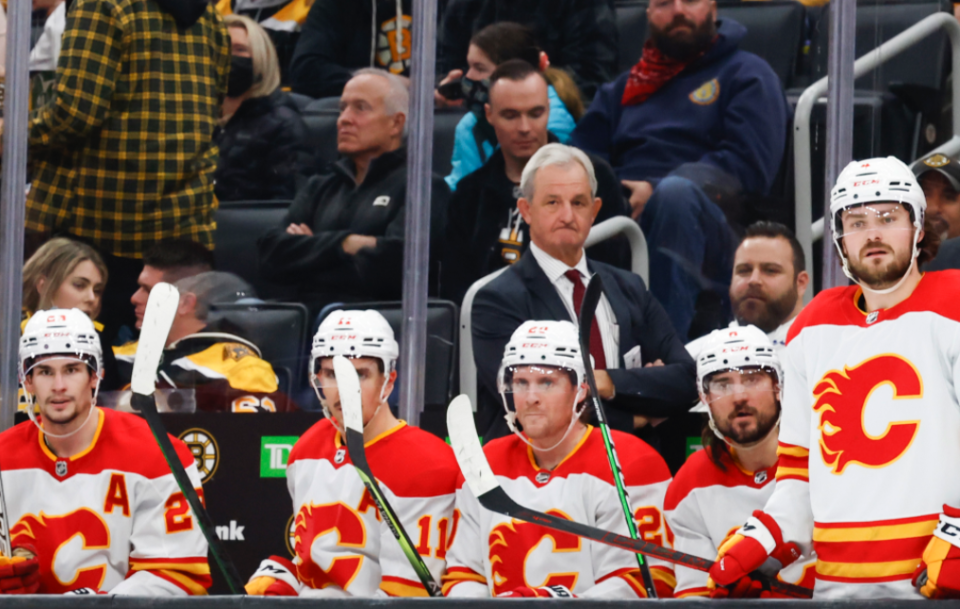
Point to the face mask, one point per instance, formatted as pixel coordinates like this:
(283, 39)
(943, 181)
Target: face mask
(241, 76)
(477, 94)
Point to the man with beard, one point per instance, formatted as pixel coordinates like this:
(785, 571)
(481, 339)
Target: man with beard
(769, 279)
(870, 389)
(739, 377)
(939, 177)
(695, 124)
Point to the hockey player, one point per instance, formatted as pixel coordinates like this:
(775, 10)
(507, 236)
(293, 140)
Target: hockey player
(343, 548)
(92, 504)
(556, 464)
(870, 413)
(739, 377)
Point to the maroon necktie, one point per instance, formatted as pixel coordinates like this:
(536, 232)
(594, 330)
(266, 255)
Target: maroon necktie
(596, 343)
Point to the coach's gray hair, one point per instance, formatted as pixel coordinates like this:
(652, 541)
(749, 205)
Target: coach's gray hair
(397, 99)
(555, 154)
(214, 287)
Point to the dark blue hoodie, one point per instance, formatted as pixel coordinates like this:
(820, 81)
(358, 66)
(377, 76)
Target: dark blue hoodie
(726, 110)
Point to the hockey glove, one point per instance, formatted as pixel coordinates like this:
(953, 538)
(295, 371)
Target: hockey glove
(544, 592)
(19, 575)
(84, 592)
(276, 576)
(938, 575)
(757, 541)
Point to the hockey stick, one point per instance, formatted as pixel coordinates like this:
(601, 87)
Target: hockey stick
(483, 483)
(352, 408)
(157, 319)
(5, 549)
(588, 308)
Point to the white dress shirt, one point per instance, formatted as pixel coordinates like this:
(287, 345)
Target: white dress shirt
(606, 320)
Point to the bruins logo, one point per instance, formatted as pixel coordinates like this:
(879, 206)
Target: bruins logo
(291, 537)
(936, 161)
(205, 451)
(707, 93)
(236, 351)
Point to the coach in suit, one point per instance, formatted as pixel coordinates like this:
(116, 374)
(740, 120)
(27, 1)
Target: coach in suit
(642, 368)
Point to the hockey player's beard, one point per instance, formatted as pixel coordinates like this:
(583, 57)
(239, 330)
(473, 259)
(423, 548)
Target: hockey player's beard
(747, 436)
(757, 308)
(880, 277)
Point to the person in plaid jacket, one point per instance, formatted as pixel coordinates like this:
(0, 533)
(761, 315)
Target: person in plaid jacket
(122, 156)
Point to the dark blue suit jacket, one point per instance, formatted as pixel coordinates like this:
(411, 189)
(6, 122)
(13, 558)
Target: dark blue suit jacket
(523, 293)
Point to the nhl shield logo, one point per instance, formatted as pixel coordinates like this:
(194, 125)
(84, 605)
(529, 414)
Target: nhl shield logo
(340, 456)
(760, 477)
(543, 477)
(61, 468)
(707, 93)
(205, 451)
(872, 317)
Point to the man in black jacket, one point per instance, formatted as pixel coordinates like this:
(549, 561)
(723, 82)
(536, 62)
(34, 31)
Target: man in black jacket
(579, 36)
(342, 238)
(642, 368)
(485, 231)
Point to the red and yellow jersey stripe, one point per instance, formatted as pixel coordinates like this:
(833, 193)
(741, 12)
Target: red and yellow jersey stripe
(848, 551)
(457, 575)
(792, 462)
(192, 575)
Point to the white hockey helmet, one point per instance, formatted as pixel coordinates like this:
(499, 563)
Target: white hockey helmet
(355, 334)
(737, 348)
(879, 180)
(65, 332)
(543, 343)
(550, 344)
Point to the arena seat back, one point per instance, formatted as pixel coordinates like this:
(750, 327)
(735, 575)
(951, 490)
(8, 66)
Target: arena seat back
(239, 225)
(279, 329)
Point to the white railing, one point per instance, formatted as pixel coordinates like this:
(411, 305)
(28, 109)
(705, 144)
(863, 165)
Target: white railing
(808, 231)
(639, 264)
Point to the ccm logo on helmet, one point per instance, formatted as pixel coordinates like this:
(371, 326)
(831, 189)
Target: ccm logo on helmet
(735, 349)
(533, 346)
(343, 337)
(52, 318)
(866, 182)
(538, 330)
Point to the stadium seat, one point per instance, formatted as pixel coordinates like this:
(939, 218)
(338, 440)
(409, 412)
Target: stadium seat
(632, 31)
(441, 362)
(444, 128)
(239, 225)
(279, 329)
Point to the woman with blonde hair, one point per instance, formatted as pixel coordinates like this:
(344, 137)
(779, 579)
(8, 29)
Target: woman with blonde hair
(261, 134)
(68, 274)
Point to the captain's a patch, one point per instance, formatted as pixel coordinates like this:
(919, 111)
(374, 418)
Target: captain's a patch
(707, 93)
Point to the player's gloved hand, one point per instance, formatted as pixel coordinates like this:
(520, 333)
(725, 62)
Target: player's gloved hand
(938, 575)
(275, 574)
(84, 592)
(19, 575)
(758, 543)
(544, 592)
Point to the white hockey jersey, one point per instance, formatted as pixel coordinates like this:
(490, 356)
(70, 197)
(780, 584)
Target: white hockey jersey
(706, 505)
(110, 518)
(340, 539)
(493, 553)
(870, 435)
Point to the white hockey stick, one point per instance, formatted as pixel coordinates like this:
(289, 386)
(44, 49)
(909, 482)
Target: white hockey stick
(5, 549)
(157, 320)
(352, 407)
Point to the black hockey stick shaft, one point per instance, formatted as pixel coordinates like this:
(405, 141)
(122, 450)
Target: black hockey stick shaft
(148, 408)
(352, 408)
(5, 541)
(588, 308)
(497, 500)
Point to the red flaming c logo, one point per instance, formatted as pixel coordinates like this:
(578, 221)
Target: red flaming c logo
(511, 543)
(841, 400)
(315, 520)
(48, 534)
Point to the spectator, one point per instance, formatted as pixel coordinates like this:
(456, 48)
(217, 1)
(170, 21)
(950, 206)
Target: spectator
(769, 280)
(641, 367)
(696, 123)
(485, 231)
(123, 155)
(225, 371)
(169, 261)
(67, 274)
(261, 139)
(282, 20)
(939, 177)
(474, 139)
(342, 238)
(580, 36)
(339, 37)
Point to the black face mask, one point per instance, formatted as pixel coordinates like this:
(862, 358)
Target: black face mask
(477, 94)
(241, 76)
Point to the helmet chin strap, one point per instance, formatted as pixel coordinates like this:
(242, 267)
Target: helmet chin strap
(741, 447)
(333, 420)
(33, 417)
(511, 418)
(865, 287)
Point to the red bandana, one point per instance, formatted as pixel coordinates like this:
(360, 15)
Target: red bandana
(652, 72)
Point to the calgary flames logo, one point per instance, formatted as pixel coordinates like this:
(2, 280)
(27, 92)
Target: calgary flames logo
(48, 534)
(841, 400)
(316, 520)
(512, 542)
